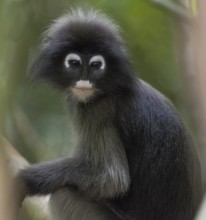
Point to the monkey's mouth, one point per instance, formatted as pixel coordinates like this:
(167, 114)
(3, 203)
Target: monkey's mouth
(83, 89)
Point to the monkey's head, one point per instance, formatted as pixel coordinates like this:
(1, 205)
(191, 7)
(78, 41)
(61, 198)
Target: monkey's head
(83, 54)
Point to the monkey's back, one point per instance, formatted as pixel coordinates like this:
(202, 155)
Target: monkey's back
(164, 167)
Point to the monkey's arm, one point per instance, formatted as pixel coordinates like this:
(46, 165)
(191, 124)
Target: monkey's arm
(100, 170)
(45, 178)
(48, 177)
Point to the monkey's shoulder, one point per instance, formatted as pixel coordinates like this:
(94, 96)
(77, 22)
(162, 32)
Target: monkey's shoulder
(150, 97)
(149, 111)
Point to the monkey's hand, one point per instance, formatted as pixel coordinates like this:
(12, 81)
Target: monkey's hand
(20, 189)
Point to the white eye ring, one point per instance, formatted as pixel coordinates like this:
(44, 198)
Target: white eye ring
(72, 56)
(98, 58)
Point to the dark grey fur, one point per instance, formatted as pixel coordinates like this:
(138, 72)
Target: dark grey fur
(134, 158)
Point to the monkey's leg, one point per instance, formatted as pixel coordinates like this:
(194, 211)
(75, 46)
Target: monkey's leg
(69, 204)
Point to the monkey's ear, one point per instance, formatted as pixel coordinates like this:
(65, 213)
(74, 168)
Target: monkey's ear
(42, 67)
(47, 67)
(37, 67)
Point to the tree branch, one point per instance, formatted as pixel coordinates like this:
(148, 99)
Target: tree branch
(35, 207)
(176, 9)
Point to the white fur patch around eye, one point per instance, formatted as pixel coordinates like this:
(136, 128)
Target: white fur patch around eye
(98, 58)
(72, 56)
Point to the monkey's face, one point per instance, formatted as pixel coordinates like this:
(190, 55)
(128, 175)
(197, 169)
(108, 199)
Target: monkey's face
(85, 71)
(85, 57)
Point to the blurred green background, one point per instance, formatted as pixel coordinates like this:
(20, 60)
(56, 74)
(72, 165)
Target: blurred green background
(33, 117)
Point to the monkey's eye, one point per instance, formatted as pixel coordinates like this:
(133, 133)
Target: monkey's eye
(74, 63)
(72, 60)
(97, 62)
